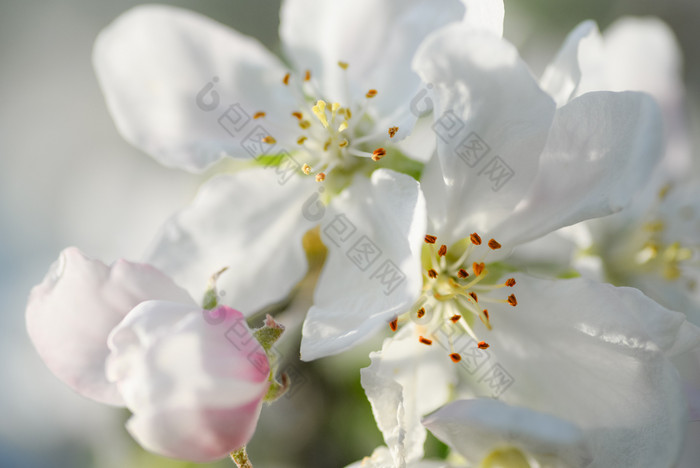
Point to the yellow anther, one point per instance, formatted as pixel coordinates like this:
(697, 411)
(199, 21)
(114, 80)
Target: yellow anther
(320, 177)
(301, 140)
(306, 169)
(269, 140)
(304, 124)
(648, 253)
(319, 111)
(343, 143)
(343, 65)
(343, 126)
(327, 144)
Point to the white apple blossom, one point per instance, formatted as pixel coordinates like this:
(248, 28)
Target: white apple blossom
(584, 160)
(127, 335)
(179, 86)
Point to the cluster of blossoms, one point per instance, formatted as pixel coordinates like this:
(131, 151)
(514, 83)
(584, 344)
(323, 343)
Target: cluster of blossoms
(464, 209)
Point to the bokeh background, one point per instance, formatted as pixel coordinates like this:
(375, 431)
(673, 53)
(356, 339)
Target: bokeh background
(68, 178)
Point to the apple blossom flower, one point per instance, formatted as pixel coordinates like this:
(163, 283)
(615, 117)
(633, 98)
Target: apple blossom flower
(343, 105)
(651, 245)
(195, 389)
(127, 335)
(584, 160)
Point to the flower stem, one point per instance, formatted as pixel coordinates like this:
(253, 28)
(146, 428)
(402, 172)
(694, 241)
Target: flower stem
(240, 457)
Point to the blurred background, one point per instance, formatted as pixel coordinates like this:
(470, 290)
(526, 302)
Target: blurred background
(68, 178)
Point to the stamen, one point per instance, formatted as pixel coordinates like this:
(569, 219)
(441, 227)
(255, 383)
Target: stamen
(301, 140)
(394, 324)
(306, 169)
(342, 126)
(320, 177)
(319, 111)
(305, 124)
(475, 238)
(285, 80)
(442, 251)
(512, 300)
(269, 140)
(258, 115)
(430, 239)
(432, 273)
(474, 296)
(425, 341)
(485, 319)
(327, 144)
(298, 115)
(307, 75)
(343, 143)
(371, 93)
(455, 318)
(478, 268)
(486, 313)
(343, 65)
(392, 131)
(378, 154)
(494, 245)
(483, 345)
(421, 312)
(510, 282)
(462, 273)
(455, 357)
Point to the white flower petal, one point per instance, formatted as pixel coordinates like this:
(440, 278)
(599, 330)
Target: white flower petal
(492, 121)
(376, 39)
(477, 427)
(154, 63)
(248, 222)
(485, 15)
(642, 54)
(405, 381)
(602, 148)
(596, 356)
(70, 315)
(562, 77)
(374, 234)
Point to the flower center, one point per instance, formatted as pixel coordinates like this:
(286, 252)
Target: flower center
(457, 287)
(332, 134)
(648, 248)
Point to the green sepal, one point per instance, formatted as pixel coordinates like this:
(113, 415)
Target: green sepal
(269, 333)
(277, 389)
